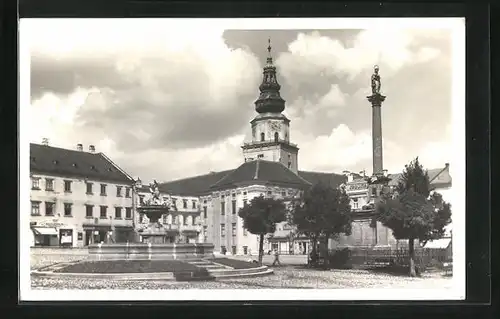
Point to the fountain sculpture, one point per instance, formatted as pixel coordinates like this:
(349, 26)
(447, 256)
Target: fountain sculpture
(157, 239)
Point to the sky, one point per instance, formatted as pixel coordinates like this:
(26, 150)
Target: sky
(167, 100)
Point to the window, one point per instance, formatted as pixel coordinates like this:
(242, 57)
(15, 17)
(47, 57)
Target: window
(205, 212)
(222, 230)
(127, 192)
(174, 202)
(245, 250)
(276, 136)
(141, 200)
(103, 189)
(89, 188)
(194, 205)
(104, 211)
(289, 160)
(260, 156)
(67, 209)
(233, 195)
(245, 202)
(67, 186)
(245, 232)
(244, 193)
(269, 193)
(283, 193)
(222, 208)
(289, 164)
(49, 209)
(205, 235)
(89, 211)
(118, 212)
(233, 207)
(262, 137)
(118, 191)
(35, 208)
(141, 218)
(355, 203)
(233, 250)
(128, 212)
(374, 191)
(35, 183)
(233, 229)
(184, 203)
(49, 184)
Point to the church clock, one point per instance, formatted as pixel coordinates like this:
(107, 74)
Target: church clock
(276, 126)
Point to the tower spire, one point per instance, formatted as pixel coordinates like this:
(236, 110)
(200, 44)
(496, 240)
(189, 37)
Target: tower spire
(269, 56)
(269, 100)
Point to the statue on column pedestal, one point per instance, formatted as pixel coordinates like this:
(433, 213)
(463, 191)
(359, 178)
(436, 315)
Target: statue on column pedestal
(376, 81)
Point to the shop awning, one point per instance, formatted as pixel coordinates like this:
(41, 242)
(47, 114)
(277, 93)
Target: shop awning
(45, 231)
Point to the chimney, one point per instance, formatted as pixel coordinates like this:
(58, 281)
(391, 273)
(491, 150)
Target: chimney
(92, 148)
(45, 141)
(79, 147)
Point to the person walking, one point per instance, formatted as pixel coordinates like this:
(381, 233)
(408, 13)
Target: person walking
(276, 258)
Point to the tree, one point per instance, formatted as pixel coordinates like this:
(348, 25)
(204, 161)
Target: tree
(261, 216)
(322, 213)
(413, 211)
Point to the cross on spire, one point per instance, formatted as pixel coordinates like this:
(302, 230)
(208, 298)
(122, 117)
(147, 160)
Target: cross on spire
(269, 57)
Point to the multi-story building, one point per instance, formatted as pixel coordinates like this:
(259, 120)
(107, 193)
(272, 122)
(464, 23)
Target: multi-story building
(78, 197)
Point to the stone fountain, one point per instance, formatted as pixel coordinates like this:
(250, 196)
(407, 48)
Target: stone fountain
(157, 241)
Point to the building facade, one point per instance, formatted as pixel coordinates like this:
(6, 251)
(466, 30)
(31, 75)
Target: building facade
(78, 197)
(367, 233)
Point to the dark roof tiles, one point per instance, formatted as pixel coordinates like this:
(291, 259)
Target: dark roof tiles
(261, 171)
(196, 185)
(71, 163)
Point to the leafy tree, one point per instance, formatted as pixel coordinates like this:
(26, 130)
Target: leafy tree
(260, 217)
(322, 213)
(413, 211)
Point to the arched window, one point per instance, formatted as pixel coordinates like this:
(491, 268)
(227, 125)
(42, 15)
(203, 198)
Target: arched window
(276, 136)
(262, 137)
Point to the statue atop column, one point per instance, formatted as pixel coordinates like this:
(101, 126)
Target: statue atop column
(376, 81)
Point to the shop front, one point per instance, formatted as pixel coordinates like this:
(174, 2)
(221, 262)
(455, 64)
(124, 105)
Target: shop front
(97, 234)
(52, 234)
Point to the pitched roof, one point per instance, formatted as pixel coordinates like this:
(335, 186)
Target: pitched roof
(437, 177)
(261, 171)
(330, 179)
(51, 160)
(196, 185)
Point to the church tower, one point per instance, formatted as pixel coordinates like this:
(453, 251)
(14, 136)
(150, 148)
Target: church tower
(270, 128)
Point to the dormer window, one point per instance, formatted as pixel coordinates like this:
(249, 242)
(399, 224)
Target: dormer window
(55, 162)
(262, 137)
(276, 136)
(92, 167)
(74, 165)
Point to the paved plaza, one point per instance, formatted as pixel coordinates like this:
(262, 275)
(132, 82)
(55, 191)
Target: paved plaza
(290, 275)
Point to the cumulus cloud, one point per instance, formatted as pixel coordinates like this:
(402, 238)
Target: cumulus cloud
(168, 99)
(312, 54)
(160, 93)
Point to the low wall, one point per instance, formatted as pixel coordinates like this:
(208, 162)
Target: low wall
(152, 252)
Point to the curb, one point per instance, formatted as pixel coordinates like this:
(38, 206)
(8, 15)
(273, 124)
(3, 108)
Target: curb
(164, 276)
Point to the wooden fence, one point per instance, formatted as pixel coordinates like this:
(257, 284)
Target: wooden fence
(383, 257)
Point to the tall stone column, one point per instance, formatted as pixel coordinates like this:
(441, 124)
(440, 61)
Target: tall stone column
(376, 100)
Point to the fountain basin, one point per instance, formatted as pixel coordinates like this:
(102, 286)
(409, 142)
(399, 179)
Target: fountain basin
(133, 251)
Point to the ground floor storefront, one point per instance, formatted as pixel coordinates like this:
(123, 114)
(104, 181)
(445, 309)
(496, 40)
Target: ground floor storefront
(53, 234)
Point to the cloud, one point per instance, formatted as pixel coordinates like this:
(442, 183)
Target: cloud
(312, 54)
(344, 149)
(168, 91)
(168, 99)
